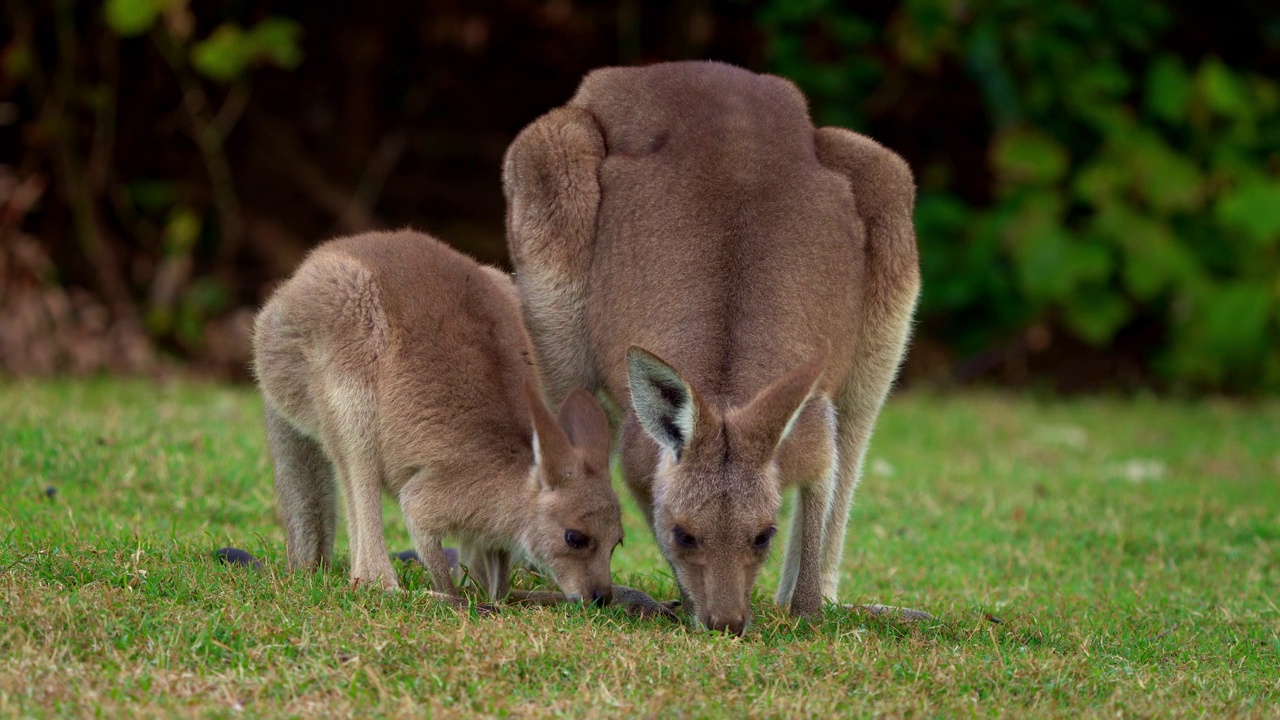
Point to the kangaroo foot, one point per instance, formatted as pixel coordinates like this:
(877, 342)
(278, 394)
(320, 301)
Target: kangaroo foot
(450, 554)
(236, 556)
(384, 582)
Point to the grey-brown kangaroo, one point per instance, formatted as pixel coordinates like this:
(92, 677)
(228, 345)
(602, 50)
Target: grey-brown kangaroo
(391, 362)
(742, 285)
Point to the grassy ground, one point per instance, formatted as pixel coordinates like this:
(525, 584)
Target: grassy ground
(1082, 558)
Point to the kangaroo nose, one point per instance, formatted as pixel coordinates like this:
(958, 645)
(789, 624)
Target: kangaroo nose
(600, 598)
(735, 624)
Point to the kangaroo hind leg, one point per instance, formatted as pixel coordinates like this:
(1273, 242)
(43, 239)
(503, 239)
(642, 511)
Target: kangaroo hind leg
(348, 363)
(305, 491)
(884, 189)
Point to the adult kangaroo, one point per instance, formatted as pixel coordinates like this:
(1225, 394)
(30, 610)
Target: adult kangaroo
(741, 285)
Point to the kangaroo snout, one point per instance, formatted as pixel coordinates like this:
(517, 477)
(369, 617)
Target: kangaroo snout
(598, 596)
(727, 605)
(731, 622)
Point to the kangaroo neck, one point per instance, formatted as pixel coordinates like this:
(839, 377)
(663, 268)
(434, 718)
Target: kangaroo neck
(517, 504)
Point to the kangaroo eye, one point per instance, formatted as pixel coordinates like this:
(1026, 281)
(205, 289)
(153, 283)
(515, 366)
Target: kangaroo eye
(682, 538)
(575, 539)
(762, 540)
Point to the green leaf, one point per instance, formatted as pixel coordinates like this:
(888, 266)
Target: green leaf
(1028, 156)
(1253, 207)
(1051, 262)
(222, 56)
(1103, 83)
(1095, 313)
(925, 27)
(132, 17)
(1168, 89)
(182, 231)
(1111, 120)
(1154, 259)
(229, 51)
(1222, 90)
(1103, 181)
(1230, 322)
(1040, 262)
(1169, 181)
(276, 40)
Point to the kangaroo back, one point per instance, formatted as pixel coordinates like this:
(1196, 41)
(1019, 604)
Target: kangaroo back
(740, 224)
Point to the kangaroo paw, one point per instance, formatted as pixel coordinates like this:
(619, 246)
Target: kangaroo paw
(641, 605)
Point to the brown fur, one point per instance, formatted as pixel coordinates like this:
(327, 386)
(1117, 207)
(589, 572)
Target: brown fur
(692, 210)
(393, 362)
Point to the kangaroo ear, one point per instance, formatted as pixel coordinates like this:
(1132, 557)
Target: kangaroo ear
(550, 177)
(552, 450)
(766, 421)
(551, 180)
(668, 408)
(586, 425)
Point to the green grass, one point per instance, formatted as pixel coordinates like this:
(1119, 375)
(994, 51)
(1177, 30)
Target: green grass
(1128, 549)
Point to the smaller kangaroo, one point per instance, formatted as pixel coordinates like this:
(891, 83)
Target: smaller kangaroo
(391, 361)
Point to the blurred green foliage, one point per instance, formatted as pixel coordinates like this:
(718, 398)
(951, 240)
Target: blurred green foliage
(1129, 185)
(182, 302)
(1099, 184)
(228, 52)
(167, 216)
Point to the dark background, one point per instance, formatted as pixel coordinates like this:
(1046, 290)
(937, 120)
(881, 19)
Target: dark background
(1099, 182)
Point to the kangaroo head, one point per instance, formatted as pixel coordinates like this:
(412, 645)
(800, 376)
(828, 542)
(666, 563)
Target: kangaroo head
(576, 520)
(716, 494)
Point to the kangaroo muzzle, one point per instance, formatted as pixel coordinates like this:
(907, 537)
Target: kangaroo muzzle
(598, 592)
(733, 622)
(726, 603)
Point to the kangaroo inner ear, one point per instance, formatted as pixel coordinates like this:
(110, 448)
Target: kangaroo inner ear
(665, 404)
(551, 448)
(585, 424)
(770, 416)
